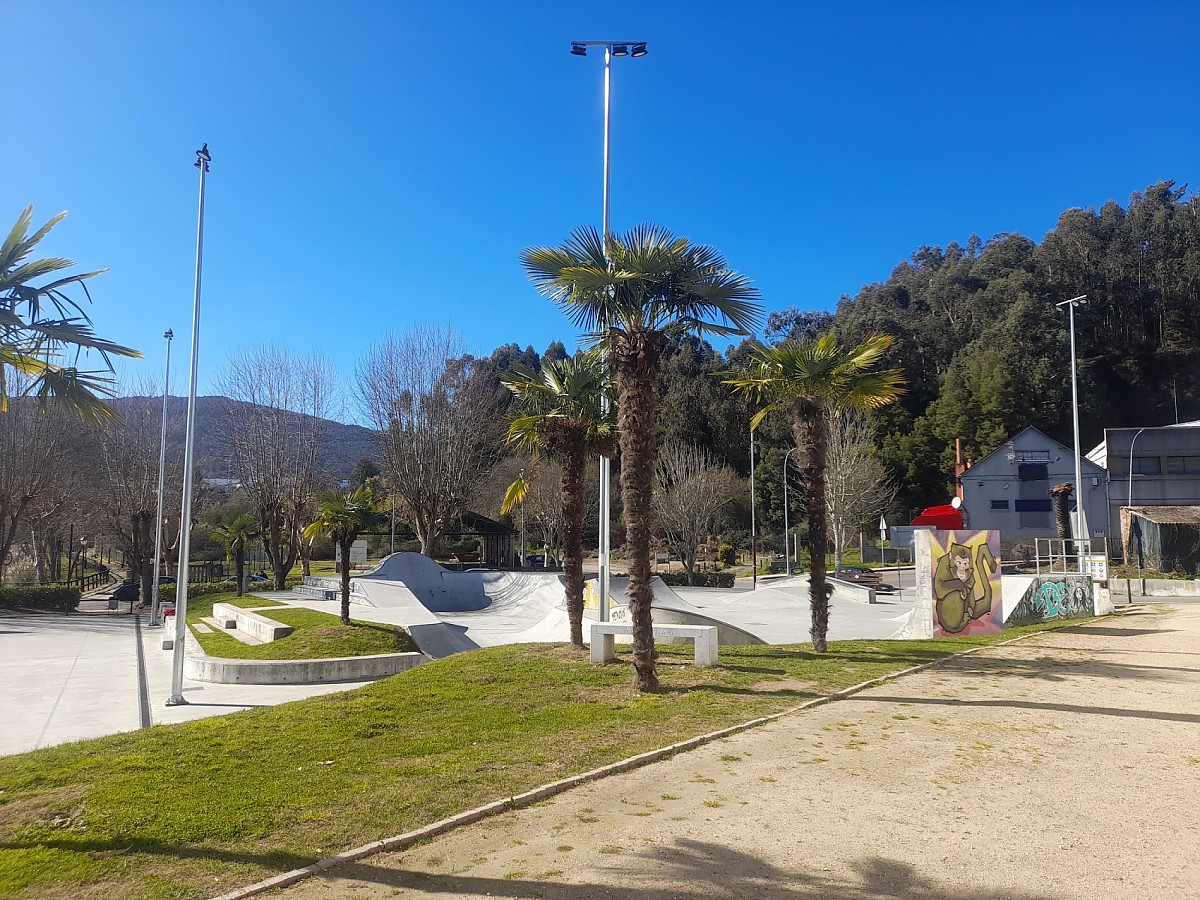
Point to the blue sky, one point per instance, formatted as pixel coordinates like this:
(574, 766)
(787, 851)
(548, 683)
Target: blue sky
(381, 164)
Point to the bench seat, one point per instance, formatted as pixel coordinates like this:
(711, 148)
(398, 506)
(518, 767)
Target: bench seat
(704, 637)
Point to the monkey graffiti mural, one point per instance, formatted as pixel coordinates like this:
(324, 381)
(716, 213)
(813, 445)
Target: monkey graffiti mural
(966, 583)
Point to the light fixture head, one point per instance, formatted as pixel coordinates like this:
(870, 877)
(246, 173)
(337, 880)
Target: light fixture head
(578, 49)
(169, 334)
(638, 50)
(203, 153)
(620, 49)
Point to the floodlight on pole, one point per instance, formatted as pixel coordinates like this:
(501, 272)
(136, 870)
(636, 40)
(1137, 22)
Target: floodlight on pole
(155, 610)
(1081, 529)
(579, 48)
(203, 158)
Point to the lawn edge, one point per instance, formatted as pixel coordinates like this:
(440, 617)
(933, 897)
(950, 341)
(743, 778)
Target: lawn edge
(546, 791)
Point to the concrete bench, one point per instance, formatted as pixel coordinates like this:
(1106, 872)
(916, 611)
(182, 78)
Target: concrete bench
(251, 623)
(703, 636)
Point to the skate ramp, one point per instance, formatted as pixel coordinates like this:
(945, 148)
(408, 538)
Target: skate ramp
(668, 608)
(453, 611)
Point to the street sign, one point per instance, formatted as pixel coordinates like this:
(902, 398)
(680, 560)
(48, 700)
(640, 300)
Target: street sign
(882, 528)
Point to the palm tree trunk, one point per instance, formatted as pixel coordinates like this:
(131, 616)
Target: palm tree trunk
(636, 356)
(808, 430)
(345, 543)
(573, 461)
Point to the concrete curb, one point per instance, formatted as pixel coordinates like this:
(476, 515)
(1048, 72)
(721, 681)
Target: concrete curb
(546, 791)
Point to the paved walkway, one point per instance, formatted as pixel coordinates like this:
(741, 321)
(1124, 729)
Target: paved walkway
(1064, 766)
(66, 678)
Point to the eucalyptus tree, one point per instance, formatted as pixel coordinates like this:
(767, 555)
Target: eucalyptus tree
(809, 378)
(631, 294)
(561, 414)
(342, 517)
(43, 331)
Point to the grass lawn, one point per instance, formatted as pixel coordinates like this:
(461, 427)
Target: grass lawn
(318, 635)
(196, 809)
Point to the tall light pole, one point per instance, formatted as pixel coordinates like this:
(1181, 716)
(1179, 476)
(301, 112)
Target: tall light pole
(162, 462)
(636, 49)
(1129, 496)
(787, 553)
(753, 521)
(1081, 528)
(189, 453)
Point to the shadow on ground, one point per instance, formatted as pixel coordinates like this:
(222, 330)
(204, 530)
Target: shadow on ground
(686, 870)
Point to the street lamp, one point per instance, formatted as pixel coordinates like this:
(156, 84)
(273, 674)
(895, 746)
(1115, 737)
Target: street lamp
(1081, 528)
(753, 521)
(787, 553)
(162, 461)
(189, 453)
(636, 49)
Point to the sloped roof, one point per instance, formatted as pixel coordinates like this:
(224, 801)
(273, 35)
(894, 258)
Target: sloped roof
(1168, 515)
(1063, 448)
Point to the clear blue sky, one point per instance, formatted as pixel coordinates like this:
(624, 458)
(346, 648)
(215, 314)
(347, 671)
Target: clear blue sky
(379, 164)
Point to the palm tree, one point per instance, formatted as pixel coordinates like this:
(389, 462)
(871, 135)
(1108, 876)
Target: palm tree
(632, 293)
(562, 416)
(812, 377)
(40, 325)
(342, 518)
(235, 538)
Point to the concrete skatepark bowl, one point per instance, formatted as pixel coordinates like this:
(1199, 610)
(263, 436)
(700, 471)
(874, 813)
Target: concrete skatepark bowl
(447, 611)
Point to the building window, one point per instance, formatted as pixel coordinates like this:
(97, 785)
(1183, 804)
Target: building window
(1142, 465)
(1032, 505)
(1033, 456)
(999, 504)
(1033, 472)
(1183, 465)
(1147, 465)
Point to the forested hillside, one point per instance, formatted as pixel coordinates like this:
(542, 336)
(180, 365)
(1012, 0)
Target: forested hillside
(986, 352)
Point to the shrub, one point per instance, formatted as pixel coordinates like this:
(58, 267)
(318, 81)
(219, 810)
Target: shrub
(166, 592)
(701, 579)
(726, 555)
(54, 599)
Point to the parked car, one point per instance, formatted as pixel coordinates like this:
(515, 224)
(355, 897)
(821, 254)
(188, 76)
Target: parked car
(858, 575)
(538, 561)
(883, 588)
(127, 592)
(167, 579)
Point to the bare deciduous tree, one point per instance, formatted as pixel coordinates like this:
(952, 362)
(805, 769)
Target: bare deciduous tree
(277, 400)
(32, 483)
(439, 434)
(126, 485)
(858, 489)
(691, 492)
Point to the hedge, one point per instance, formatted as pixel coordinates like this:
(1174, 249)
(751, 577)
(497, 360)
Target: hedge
(166, 592)
(700, 579)
(52, 598)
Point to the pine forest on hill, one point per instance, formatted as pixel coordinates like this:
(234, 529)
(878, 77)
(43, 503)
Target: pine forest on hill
(983, 348)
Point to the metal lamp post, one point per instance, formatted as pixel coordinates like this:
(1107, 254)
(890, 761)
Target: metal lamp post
(162, 462)
(753, 522)
(787, 552)
(1082, 532)
(636, 49)
(189, 452)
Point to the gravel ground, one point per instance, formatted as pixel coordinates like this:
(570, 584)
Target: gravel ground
(1066, 765)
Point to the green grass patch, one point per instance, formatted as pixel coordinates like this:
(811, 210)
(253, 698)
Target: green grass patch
(318, 635)
(195, 809)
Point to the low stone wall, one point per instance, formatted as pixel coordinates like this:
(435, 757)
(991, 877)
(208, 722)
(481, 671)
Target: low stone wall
(1153, 587)
(199, 666)
(257, 626)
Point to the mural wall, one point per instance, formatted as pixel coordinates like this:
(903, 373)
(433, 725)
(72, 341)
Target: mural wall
(1054, 597)
(964, 568)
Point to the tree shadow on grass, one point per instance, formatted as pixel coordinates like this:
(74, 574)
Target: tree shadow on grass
(128, 846)
(686, 870)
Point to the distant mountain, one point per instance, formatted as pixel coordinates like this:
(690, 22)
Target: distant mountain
(341, 446)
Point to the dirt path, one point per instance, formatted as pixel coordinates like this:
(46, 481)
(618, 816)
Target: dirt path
(1067, 765)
